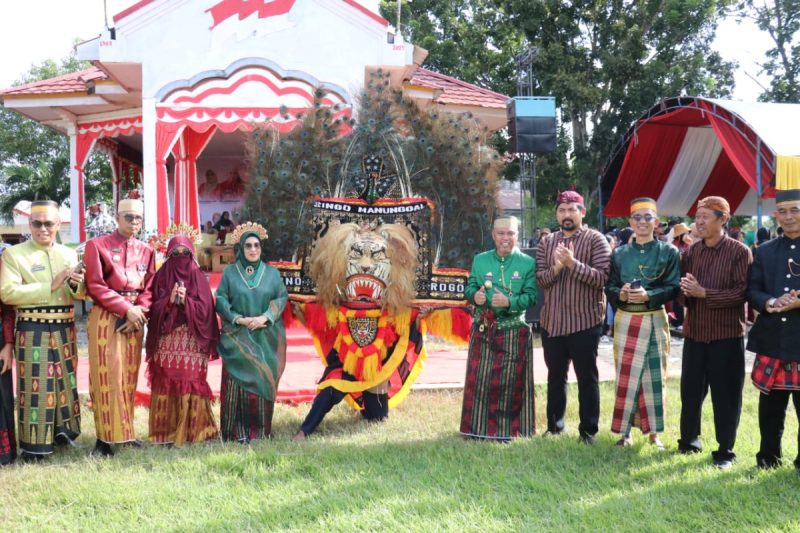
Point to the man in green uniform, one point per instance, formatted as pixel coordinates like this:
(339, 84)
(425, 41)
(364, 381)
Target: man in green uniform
(41, 277)
(498, 390)
(645, 275)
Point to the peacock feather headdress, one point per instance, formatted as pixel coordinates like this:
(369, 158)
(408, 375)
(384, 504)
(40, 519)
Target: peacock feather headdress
(394, 150)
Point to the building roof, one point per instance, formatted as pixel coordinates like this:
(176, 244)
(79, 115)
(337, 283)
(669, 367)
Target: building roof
(457, 92)
(75, 82)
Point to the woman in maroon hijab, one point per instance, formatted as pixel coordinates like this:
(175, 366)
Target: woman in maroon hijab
(182, 336)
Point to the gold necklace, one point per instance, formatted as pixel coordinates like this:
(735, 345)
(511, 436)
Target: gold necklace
(247, 283)
(641, 271)
(790, 264)
(503, 277)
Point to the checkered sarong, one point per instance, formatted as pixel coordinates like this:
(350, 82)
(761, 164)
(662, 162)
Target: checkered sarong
(641, 350)
(499, 399)
(775, 374)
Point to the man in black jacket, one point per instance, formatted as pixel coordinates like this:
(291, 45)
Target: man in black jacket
(774, 290)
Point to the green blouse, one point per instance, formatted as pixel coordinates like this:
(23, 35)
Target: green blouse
(252, 357)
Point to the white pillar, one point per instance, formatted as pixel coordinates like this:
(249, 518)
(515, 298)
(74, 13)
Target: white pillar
(149, 185)
(74, 191)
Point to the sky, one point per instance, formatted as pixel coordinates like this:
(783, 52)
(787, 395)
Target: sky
(34, 30)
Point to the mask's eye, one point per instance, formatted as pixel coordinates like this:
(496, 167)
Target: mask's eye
(379, 255)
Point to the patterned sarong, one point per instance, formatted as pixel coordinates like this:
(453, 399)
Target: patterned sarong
(47, 394)
(244, 416)
(775, 374)
(113, 372)
(498, 389)
(641, 352)
(180, 399)
(8, 439)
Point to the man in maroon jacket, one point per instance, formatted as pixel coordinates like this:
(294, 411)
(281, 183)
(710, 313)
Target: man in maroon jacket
(119, 276)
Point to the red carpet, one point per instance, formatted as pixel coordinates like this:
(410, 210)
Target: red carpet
(441, 370)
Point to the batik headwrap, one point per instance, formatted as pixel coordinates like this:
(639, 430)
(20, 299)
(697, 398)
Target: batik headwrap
(715, 203)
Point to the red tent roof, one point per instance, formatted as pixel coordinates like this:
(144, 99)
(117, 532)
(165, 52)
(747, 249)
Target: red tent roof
(686, 148)
(75, 82)
(457, 92)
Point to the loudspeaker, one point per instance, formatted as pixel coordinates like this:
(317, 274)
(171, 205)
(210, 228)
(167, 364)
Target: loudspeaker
(532, 124)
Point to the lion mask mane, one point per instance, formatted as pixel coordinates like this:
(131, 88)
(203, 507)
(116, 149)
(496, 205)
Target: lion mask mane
(382, 259)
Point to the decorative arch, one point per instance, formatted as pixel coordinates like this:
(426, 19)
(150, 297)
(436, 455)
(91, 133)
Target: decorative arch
(249, 92)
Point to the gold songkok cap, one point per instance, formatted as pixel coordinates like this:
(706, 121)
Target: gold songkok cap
(506, 222)
(130, 205)
(643, 203)
(45, 206)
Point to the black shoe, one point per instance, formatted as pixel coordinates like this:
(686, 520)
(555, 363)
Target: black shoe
(723, 464)
(586, 439)
(102, 449)
(693, 447)
(62, 440)
(32, 457)
(136, 443)
(553, 432)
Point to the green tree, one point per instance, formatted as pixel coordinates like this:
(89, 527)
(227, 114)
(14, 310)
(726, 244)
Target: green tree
(29, 149)
(781, 20)
(605, 62)
(42, 181)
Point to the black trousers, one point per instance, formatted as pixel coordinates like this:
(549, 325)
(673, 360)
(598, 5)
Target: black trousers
(580, 348)
(376, 407)
(719, 366)
(771, 415)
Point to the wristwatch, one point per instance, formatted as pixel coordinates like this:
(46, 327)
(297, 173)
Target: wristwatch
(771, 302)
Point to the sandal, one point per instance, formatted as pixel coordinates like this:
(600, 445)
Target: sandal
(624, 442)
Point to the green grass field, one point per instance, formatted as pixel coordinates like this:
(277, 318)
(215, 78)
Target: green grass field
(412, 473)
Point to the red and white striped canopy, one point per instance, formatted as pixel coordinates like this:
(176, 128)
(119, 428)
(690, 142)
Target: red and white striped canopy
(684, 149)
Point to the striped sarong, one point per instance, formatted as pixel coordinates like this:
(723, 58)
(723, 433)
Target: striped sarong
(114, 360)
(641, 351)
(47, 394)
(498, 388)
(244, 416)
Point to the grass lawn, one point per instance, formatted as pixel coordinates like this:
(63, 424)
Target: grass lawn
(412, 473)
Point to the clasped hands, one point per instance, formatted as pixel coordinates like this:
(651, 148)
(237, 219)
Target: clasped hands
(178, 294)
(786, 302)
(498, 298)
(72, 274)
(136, 318)
(252, 322)
(563, 256)
(691, 287)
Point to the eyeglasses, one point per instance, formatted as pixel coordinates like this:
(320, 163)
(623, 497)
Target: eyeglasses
(252, 245)
(646, 218)
(132, 219)
(180, 253)
(39, 224)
